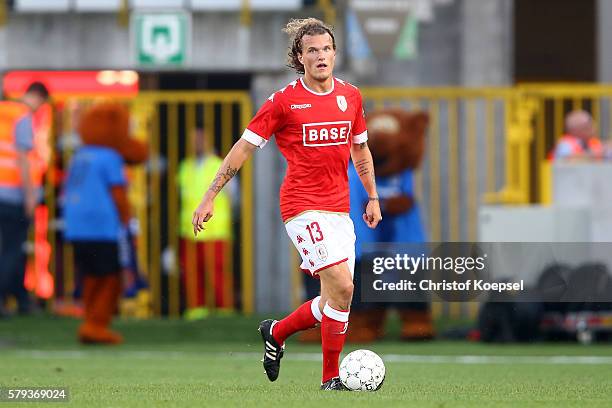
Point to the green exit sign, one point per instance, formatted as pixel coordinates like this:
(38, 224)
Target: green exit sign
(161, 39)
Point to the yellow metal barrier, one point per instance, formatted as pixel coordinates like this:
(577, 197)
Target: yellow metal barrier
(165, 120)
(224, 115)
(466, 159)
(489, 146)
(465, 156)
(546, 183)
(3, 13)
(329, 11)
(495, 141)
(554, 101)
(484, 145)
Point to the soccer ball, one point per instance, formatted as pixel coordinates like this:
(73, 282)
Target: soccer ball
(362, 370)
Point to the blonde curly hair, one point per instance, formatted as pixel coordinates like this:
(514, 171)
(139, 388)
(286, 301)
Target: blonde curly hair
(298, 28)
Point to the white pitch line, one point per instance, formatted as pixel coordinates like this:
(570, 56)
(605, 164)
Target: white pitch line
(429, 359)
(392, 358)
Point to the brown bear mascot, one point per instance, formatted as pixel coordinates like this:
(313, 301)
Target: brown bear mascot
(96, 210)
(397, 141)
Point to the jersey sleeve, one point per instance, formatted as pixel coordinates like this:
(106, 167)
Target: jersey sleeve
(360, 131)
(268, 120)
(113, 171)
(24, 134)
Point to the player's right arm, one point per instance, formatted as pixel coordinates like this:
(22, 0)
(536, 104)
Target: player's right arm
(234, 160)
(269, 119)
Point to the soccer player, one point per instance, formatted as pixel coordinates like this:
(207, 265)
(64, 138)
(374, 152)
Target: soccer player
(318, 121)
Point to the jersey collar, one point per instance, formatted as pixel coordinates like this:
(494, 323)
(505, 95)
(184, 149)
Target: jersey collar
(319, 93)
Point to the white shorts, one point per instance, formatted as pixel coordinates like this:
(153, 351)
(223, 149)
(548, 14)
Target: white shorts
(323, 240)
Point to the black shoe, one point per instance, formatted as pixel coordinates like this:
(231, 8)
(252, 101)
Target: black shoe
(334, 385)
(273, 352)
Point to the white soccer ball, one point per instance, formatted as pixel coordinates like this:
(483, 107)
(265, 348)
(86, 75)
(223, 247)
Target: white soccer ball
(362, 370)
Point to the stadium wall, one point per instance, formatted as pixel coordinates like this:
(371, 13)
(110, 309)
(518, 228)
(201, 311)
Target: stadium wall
(466, 43)
(604, 15)
(96, 41)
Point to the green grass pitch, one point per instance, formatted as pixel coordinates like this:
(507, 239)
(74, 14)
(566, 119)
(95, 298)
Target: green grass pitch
(215, 362)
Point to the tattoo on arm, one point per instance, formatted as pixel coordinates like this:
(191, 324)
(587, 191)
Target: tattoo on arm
(363, 145)
(222, 178)
(363, 167)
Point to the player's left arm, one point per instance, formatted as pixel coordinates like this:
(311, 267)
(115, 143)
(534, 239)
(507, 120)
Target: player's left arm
(362, 159)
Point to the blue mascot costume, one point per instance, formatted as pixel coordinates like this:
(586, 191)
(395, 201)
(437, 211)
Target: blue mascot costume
(397, 142)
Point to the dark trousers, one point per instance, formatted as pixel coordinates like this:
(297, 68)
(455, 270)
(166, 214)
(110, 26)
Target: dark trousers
(14, 226)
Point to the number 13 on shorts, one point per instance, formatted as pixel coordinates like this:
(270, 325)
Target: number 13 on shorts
(314, 229)
(322, 239)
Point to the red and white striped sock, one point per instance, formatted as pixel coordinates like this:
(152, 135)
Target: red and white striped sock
(304, 317)
(333, 332)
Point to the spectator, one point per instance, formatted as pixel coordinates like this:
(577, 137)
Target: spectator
(18, 193)
(196, 252)
(580, 140)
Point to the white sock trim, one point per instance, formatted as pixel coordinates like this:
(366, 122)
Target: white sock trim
(314, 308)
(335, 314)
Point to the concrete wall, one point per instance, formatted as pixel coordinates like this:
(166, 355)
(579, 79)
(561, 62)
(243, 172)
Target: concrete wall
(437, 62)
(486, 46)
(469, 43)
(604, 40)
(68, 41)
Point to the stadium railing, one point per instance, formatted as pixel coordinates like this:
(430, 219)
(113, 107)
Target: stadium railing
(485, 145)
(165, 120)
(488, 145)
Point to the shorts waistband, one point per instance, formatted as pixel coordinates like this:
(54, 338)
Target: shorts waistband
(318, 211)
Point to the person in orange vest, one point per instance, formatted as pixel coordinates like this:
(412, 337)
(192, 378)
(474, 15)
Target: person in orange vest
(18, 194)
(580, 140)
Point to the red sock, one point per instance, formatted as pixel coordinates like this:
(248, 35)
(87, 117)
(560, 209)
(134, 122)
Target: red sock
(302, 318)
(333, 333)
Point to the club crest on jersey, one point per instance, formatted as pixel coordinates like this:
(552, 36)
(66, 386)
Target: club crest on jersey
(326, 133)
(341, 100)
(321, 252)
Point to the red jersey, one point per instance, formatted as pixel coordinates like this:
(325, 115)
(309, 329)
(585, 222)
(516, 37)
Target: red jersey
(314, 132)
